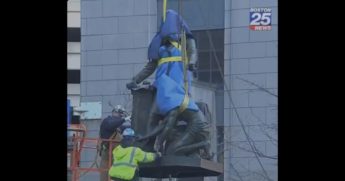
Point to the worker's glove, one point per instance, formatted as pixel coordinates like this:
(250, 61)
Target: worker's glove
(128, 119)
(131, 85)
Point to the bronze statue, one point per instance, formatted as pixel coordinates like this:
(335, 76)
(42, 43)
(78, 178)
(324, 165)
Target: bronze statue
(172, 101)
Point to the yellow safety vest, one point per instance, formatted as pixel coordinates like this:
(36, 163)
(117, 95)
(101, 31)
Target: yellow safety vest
(126, 161)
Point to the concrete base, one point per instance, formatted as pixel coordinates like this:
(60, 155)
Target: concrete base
(180, 167)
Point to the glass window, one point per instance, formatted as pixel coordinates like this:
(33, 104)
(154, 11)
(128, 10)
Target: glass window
(199, 14)
(210, 44)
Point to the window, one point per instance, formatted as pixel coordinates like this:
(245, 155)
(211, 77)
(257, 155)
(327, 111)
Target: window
(210, 44)
(73, 76)
(207, 25)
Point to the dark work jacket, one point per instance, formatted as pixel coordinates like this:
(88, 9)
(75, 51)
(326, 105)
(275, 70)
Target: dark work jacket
(109, 126)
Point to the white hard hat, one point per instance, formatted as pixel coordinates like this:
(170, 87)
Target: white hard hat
(119, 109)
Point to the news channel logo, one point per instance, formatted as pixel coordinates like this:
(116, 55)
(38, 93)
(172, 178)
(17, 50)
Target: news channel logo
(260, 19)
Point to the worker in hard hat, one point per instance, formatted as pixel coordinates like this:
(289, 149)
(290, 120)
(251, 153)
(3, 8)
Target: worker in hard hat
(126, 158)
(110, 129)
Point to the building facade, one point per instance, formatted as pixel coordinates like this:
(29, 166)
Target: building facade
(73, 52)
(237, 74)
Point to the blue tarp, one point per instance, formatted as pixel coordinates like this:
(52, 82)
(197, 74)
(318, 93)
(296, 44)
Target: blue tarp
(170, 86)
(170, 28)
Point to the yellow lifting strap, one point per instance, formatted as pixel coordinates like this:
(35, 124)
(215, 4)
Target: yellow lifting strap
(176, 45)
(164, 9)
(184, 58)
(169, 59)
(185, 101)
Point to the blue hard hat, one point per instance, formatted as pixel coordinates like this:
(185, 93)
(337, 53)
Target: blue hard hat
(128, 132)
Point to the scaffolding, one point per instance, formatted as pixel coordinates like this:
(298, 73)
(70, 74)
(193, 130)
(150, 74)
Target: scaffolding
(78, 144)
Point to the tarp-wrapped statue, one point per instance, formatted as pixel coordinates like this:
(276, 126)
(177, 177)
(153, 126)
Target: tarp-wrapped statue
(175, 124)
